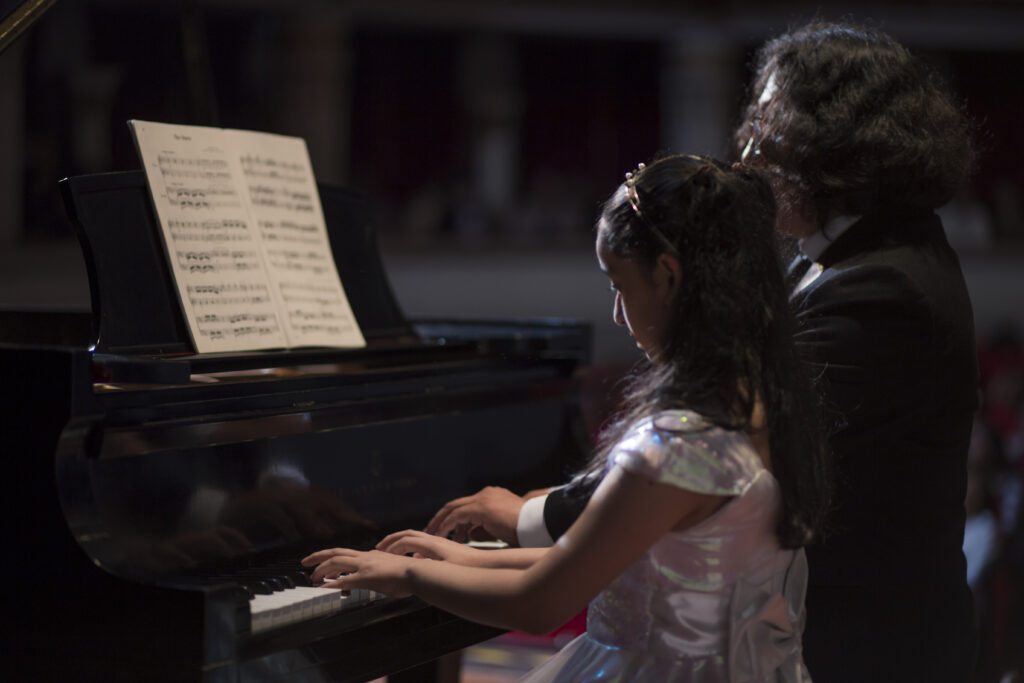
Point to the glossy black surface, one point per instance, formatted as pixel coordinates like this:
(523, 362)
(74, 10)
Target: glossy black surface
(151, 491)
(147, 514)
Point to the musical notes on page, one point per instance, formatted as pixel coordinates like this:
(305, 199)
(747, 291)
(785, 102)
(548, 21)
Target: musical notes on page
(270, 168)
(215, 231)
(315, 309)
(244, 235)
(285, 205)
(281, 197)
(228, 294)
(289, 233)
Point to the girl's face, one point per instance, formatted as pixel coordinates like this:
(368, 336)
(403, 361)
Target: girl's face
(642, 300)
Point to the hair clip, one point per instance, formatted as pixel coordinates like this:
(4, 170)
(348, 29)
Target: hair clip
(634, 202)
(631, 193)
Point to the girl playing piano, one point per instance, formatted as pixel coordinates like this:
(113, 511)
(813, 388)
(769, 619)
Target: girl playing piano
(711, 480)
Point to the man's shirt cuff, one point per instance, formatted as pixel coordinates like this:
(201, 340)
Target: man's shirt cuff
(530, 529)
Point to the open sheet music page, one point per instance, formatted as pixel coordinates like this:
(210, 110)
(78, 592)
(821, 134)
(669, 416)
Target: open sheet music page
(285, 207)
(245, 237)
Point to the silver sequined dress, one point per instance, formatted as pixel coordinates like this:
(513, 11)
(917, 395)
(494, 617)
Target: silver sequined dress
(718, 603)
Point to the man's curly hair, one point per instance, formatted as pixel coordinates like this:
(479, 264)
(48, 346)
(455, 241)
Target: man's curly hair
(857, 124)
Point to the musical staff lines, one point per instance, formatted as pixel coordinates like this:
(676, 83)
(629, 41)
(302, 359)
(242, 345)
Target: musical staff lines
(281, 197)
(235, 318)
(218, 288)
(290, 232)
(232, 294)
(211, 230)
(245, 238)
(175, 169)
(199, 198)
(239, 331)
(318, 300)
(219, 260)
(208, 224)
(323, 320)
(258, 166)
(229, 310)
(316, 308)
(312, 262)
(320, 320)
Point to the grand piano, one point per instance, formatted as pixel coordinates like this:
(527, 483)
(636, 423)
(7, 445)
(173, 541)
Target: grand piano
(158, 500)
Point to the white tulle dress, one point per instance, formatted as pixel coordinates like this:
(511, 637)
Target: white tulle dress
(720, 602)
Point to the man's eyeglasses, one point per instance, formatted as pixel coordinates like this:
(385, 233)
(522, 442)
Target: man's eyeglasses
(752, 148)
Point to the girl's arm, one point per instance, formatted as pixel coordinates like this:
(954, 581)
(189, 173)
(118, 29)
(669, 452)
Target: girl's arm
(627, 514)
(436, 548)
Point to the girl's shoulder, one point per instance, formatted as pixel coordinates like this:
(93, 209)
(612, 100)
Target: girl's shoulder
(685, 449)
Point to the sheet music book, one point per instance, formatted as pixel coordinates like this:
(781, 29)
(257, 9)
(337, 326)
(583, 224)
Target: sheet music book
(245, 237)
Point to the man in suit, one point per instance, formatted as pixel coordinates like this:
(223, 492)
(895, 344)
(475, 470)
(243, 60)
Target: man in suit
(861, 144)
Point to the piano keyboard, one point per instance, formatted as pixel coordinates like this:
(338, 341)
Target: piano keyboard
(286, 596)
(282, 593)
(300, 603)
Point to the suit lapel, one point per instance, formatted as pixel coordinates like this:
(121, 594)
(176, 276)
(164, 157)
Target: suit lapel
(802, 272)
(864, 235)
(868, 234)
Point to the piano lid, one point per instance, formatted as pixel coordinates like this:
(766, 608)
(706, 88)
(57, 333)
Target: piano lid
(20, 18)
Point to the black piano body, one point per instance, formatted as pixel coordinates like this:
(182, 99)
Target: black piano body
(150, 491)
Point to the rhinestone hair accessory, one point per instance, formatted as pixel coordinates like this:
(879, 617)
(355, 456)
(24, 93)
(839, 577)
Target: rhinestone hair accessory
(634, 203)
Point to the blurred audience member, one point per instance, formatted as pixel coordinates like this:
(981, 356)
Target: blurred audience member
(994, 537)
(982, 532)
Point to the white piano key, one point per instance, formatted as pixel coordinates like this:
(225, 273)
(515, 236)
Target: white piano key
(299, 604)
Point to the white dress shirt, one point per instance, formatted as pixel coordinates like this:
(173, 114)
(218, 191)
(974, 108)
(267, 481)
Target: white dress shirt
(530, 529)
(815, 245)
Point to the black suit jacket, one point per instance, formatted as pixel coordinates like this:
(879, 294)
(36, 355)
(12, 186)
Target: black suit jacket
(887, 331)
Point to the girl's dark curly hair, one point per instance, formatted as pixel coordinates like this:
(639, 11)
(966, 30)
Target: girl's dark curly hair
(856, 124)
(730, 343)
